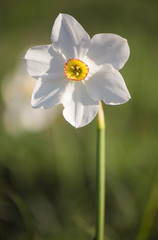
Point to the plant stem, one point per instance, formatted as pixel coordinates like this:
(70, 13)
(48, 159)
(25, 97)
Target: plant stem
(100, 175)
(149, 215)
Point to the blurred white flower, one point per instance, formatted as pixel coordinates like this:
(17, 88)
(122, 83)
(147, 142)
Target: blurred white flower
(77, 71)
(18, 115)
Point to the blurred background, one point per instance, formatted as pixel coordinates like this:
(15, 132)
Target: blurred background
(47, 167)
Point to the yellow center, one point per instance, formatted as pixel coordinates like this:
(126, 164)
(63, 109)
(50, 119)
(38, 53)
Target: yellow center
(76, 70)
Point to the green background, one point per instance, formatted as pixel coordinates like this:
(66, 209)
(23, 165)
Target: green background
(47, 179)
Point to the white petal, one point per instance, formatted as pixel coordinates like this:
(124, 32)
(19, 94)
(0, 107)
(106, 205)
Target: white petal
(108, 85)
(80, 109)
(42, 60)
(69, 37)
(48, 92)
(109, 48)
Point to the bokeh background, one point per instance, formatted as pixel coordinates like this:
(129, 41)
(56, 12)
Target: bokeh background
(47, 167)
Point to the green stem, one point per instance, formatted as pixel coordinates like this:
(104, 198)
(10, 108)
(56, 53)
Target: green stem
(100, 168)
(149, 215)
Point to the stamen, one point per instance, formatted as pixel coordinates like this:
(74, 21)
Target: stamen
(76, 70)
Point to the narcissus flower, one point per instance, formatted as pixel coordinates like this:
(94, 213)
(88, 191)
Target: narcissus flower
(18, 116)
(77, 71)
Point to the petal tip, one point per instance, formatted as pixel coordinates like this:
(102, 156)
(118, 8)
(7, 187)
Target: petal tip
(118, 102)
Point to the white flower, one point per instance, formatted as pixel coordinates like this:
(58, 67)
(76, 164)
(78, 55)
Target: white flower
(77, 71)
(18, 114)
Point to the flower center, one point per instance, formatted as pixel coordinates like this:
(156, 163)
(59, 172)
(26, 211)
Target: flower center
(76, 70)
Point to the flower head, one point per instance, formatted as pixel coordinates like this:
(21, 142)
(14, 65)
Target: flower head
(77, 71)
(18, 114)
